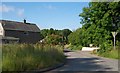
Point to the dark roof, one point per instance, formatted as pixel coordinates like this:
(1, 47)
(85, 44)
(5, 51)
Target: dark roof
(21, 26)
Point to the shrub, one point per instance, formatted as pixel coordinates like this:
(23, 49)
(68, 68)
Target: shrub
(53, 39)
(106, 50)
(75, 47)
(105, 47)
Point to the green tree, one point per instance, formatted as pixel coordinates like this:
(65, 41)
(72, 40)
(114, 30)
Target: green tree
(44, 32)
(51, 31)
(53, 39)
(65, 33)
(99, 19)
(104, 16)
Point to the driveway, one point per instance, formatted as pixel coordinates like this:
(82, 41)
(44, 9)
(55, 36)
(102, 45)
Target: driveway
(84, 61)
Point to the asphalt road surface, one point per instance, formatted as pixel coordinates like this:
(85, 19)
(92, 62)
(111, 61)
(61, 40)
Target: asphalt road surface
(84, 61)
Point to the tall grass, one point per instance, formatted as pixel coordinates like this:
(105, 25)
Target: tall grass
(110, 54)
(21, 57)
(0, 59)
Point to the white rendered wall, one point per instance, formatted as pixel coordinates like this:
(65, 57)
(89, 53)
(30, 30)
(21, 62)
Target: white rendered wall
(1, 30)
(89, 48)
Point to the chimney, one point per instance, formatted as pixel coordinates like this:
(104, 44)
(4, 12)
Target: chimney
(24, 21)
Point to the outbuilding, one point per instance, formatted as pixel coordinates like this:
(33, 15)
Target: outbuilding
(19, 32)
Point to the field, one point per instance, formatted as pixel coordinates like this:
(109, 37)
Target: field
(22, 57)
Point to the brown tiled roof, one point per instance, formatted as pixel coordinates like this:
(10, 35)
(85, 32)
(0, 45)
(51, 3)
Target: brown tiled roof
(13, 25)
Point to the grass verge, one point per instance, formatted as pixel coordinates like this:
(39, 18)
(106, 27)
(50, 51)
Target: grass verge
(22, 57)
(109, 54)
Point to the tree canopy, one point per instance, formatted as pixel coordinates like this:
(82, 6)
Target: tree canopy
(99, 19)
(54, 36)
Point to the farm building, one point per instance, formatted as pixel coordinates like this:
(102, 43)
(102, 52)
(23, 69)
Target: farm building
(22, 32)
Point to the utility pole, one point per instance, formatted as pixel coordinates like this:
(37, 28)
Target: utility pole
(114, 34)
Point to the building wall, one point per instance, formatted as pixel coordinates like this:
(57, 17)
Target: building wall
(1, 30)
(25, 37)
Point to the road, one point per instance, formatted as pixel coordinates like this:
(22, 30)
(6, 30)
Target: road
(84, 61)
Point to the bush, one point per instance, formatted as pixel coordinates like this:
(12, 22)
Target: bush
(105, 47)
(106, 50)
(21, 57)
(53, 39)
(74, 47)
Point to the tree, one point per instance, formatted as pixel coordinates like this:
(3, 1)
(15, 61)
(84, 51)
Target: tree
(51, 31)
(104, 16)
(98, 20)
(65, 33)
(53, 39)
(44, 32)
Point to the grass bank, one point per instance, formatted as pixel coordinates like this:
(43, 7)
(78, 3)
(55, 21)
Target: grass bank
(21, 57)
(109, 54)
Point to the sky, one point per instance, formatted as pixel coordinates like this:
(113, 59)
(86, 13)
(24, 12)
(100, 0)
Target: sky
(57, 15)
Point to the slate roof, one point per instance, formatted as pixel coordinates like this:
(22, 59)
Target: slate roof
(20, 26)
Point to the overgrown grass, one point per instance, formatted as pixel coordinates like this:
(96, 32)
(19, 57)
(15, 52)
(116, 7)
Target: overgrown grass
(21, 57)
(110, 54)
(0, 59)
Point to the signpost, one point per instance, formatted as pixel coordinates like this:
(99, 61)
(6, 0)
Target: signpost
(114, 34)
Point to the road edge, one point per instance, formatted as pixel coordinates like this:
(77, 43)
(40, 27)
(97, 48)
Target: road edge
(49, 68)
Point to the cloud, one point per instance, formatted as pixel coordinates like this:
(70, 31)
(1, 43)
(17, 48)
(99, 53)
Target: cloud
(20, 12)
(5, 8)
(50, 7)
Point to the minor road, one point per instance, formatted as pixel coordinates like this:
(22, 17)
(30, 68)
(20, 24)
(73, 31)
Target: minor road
(84, 61)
